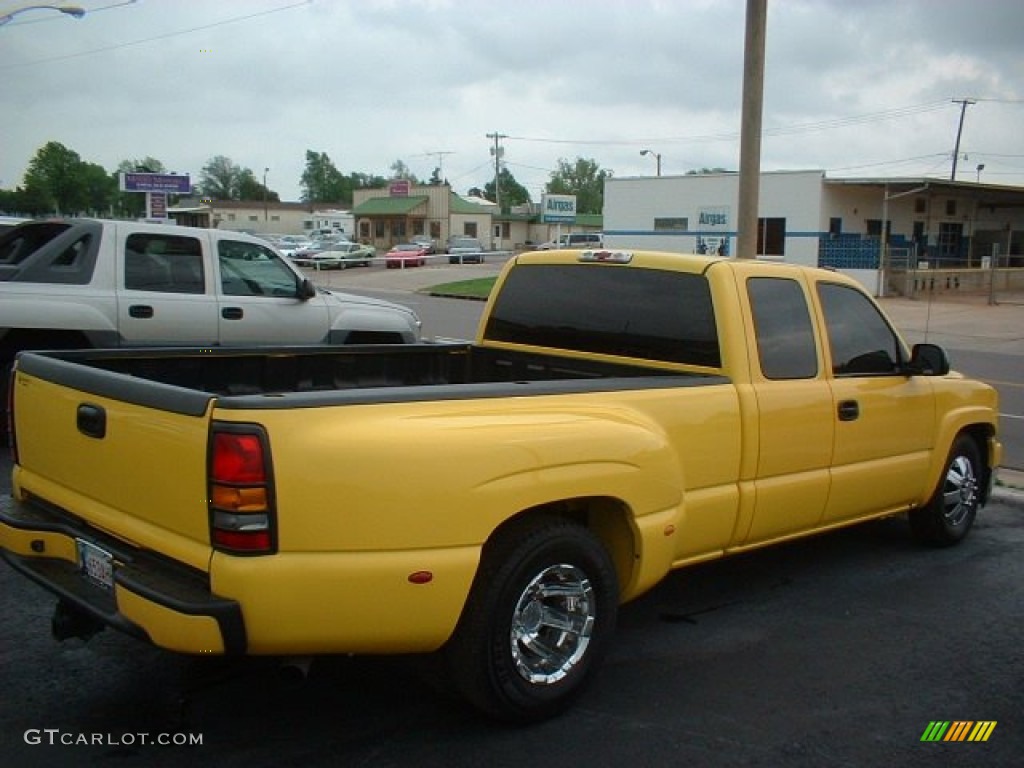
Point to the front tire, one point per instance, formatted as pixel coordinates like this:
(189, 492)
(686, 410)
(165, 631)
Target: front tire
(537, 622)
(949, 514)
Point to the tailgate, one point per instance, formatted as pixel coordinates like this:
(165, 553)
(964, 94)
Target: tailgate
(125, 454)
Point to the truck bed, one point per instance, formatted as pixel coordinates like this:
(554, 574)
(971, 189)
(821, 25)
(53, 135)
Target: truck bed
(293, 377)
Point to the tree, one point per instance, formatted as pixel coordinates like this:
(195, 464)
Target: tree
(367, 181)
(322, 182)
(220, 178)
(399, 170)
(132, 205)
(99, 187)
(512, 192)
(249, 188)
(55, 175)
(584, 179)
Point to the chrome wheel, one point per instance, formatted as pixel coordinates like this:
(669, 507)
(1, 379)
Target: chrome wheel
(949, 514)
(552, 624)
(960, 492)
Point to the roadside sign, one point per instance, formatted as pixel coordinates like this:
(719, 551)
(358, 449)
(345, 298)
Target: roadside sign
(156, 182)
(560, 209)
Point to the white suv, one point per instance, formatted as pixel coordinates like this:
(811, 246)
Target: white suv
(574, 240)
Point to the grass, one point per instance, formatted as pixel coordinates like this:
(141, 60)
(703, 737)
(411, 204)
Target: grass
(478, 288)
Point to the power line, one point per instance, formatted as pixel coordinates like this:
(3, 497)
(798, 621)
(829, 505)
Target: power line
(130, 43)
(839, 122)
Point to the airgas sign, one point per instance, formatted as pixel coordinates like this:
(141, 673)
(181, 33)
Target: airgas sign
(558, 209)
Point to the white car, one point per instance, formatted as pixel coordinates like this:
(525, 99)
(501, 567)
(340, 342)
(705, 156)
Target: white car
(337, 255)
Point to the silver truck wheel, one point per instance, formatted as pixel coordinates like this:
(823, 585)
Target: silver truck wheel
(537, 622)
(949, 515)
(552, 624)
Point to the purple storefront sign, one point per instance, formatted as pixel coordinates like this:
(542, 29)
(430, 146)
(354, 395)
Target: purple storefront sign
(156, 182)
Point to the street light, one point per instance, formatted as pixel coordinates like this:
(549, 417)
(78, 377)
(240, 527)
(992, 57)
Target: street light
(70, 10)
(981, 167)
(657, 157)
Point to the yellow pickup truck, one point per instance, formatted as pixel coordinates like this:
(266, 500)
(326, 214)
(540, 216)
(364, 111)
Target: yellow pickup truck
(619, 415)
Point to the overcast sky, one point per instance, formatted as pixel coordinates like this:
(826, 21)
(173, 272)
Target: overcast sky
(861, 88)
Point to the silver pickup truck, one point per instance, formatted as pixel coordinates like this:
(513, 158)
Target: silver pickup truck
(89, 283)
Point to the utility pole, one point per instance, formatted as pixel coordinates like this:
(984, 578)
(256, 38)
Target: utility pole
(750, 128)
(956, 150)
(497, 151)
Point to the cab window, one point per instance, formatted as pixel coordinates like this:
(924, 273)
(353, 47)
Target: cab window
(861, 341)
(782, 323)
(163, 263)
(248, 269)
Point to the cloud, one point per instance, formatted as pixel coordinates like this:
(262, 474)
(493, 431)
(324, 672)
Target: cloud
(866, 85)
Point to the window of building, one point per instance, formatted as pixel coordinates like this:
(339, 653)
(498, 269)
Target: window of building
(771, 237)
(951, 207)
(469, 228)
(231, 217)
(378, 229)
(398, 228)
(254, 218)
(920, 205)
(672, 224)
(835, 226)
(275, 218)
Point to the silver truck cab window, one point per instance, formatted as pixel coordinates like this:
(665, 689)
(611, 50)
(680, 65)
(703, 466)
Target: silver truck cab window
(248, 269)
(163, 263)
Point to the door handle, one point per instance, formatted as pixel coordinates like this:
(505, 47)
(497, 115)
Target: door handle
(141, 311)
(231, 313)
(849, 410)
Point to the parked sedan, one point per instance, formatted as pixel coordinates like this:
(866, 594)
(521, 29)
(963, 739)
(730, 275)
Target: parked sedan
(406, 255)
(337, 255)
(462, 250)
(426, 242)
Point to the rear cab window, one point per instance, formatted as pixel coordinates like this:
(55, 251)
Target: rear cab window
(649, 314)
(163, 263)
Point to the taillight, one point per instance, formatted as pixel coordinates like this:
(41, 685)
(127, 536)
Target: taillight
(241, 492)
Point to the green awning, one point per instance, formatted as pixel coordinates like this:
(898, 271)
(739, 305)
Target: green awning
(392, 206)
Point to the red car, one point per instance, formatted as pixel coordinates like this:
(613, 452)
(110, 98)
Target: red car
(406, 255)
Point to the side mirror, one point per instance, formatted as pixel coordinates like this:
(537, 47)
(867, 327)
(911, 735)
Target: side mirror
(928, 360)
(306, 289)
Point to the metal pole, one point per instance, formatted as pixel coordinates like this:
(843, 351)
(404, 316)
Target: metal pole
(956, 150)
(750, 128)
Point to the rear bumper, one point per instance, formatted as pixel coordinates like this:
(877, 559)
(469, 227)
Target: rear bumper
(152, 598)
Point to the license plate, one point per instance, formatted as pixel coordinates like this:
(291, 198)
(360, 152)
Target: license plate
(97, 564)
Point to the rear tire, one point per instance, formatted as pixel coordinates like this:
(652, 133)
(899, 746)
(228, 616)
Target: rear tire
(949, 514)
(537, 622)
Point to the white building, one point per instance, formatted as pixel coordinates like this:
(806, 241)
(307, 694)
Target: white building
(806, 218)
